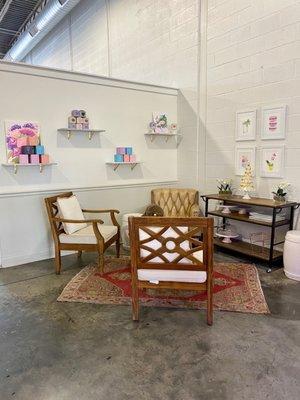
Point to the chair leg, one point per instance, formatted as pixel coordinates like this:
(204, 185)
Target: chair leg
(101, 263)
(209, 315)
(79, 254)
(57, 261)
(118, 245)
(135, 302)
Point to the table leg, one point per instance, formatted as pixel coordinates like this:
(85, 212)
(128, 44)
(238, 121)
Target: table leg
(272, 240)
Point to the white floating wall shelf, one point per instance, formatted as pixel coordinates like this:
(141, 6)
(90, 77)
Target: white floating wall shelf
(115, 165)
(166, 136)
(70, 132)
(17, 166)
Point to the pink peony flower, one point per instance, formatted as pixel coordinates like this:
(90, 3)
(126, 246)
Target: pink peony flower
(27, 131)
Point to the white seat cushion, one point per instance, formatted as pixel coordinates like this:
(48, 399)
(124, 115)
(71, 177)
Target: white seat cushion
(163, 275)
(87, 236)
(69, 208)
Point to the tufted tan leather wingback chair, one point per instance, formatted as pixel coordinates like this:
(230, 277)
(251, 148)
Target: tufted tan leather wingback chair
(177, 202)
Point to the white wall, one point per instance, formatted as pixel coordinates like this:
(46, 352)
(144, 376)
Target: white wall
(122, 108)
(142, 40)
(253, 59)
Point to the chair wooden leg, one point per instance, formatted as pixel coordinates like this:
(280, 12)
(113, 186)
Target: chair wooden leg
(79, 254)
(209, 315)
(135, 302)
(57, 261)
(118, 245)
(101, 263)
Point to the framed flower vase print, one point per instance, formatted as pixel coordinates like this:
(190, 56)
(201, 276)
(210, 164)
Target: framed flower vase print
(244, 156)
(245, 125)
(272, 162)
(273, 122)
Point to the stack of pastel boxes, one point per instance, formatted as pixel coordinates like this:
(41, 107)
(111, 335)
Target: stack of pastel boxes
(124, 154)
(32, 152)
(78, 120)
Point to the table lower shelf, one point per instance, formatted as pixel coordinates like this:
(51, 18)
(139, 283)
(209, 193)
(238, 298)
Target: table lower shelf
(252, 250)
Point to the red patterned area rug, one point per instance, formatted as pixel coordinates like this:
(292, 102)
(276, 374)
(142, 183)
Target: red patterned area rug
(237, 288)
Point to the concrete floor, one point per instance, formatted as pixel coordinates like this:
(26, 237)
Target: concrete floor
(64, 351)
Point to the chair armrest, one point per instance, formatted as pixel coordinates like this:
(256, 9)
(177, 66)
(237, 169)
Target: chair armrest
(94, 222)
(79, 221)
(112, 213)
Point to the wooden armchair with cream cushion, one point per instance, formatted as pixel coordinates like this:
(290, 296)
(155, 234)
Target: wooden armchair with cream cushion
(177, 202)
(71, 231)
(166, 253)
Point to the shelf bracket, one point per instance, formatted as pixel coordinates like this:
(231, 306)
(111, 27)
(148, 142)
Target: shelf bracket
(116, 166)
(91, 135)
(69, 135)
(15, 168)
(133, 166)
(41, 168)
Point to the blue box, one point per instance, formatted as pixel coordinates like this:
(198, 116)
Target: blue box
(118, 158)
(40, 150)
(128, 150)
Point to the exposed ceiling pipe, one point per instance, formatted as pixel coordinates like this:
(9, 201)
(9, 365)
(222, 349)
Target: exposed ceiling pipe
(51, 14)
(5, 9)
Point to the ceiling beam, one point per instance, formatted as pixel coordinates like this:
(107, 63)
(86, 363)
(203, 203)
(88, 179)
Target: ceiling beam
(5, 9)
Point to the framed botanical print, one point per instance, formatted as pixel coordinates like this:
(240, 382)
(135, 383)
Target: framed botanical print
(272, 162)
(244, 156)
(245, 125)
(273, 122)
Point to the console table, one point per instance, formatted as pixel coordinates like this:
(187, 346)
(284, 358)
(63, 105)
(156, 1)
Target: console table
(267, 254)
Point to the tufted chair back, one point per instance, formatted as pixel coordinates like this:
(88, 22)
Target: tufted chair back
(177, 202)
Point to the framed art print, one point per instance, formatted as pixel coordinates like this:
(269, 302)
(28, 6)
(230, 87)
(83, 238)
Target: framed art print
(245, 125)
(244, 156)
(272, 162)
(18, 134)
(273, 122)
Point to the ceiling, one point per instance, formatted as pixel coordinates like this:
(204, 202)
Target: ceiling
(13, 16)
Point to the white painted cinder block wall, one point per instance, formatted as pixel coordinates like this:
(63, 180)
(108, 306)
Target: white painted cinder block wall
(253, 60)
(142, 40)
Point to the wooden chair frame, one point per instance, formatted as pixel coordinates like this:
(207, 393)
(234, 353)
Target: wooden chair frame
(57, 229)
(197, 227)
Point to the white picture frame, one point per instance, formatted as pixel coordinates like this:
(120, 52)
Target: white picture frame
(246, 124)
(243, 156)
(273, 125)
(272, 161)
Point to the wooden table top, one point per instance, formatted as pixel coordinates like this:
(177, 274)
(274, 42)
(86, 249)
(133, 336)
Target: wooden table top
(254, 201)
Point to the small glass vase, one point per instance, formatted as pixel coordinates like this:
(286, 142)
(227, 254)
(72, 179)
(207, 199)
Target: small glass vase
(281, 199)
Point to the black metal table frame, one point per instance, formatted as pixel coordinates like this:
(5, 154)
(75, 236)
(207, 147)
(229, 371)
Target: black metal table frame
(273, 226)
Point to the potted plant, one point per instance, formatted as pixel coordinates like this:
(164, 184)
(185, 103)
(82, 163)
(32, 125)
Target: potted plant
(225, 186)
(280, 191)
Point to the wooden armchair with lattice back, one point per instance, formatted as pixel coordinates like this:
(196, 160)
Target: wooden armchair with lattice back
(177, 202)
(71, 231)
(166, 253)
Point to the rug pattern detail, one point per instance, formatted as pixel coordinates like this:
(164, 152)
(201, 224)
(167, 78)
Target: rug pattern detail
(237, 288)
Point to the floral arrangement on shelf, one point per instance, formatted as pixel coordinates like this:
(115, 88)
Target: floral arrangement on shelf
(280, 191)
(225, 186)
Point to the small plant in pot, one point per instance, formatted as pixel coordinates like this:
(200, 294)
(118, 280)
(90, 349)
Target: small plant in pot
(281, 191)
(225, 186)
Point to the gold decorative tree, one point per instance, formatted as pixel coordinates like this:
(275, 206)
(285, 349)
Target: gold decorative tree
(247, 182)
